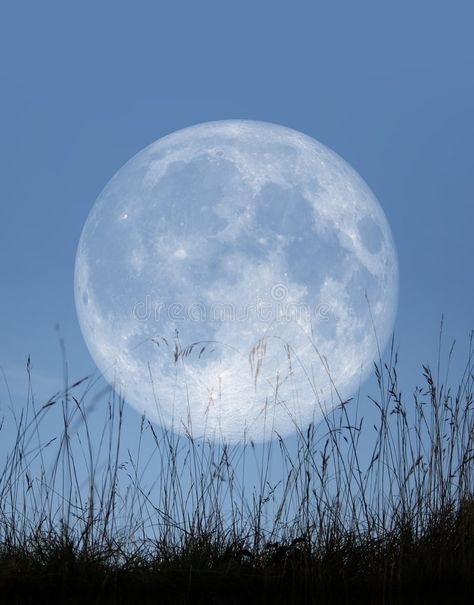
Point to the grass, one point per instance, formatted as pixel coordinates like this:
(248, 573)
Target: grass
(343, 512)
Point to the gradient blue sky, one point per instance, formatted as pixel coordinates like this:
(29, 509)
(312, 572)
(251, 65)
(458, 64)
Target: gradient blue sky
(84, 86)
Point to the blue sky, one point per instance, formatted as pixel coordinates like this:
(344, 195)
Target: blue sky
(85, 86)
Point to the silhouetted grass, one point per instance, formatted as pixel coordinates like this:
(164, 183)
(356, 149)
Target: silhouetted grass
(84, 519)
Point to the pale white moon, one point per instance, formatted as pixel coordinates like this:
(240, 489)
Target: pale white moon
(234, 279)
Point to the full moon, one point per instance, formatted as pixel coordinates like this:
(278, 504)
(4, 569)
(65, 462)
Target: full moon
(236, 280)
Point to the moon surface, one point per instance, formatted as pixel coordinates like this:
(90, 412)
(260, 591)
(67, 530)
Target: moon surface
(236, 279)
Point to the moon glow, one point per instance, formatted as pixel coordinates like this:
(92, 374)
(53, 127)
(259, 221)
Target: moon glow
(234, 279)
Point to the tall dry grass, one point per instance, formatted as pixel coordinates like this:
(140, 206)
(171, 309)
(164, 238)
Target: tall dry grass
(343, 510)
